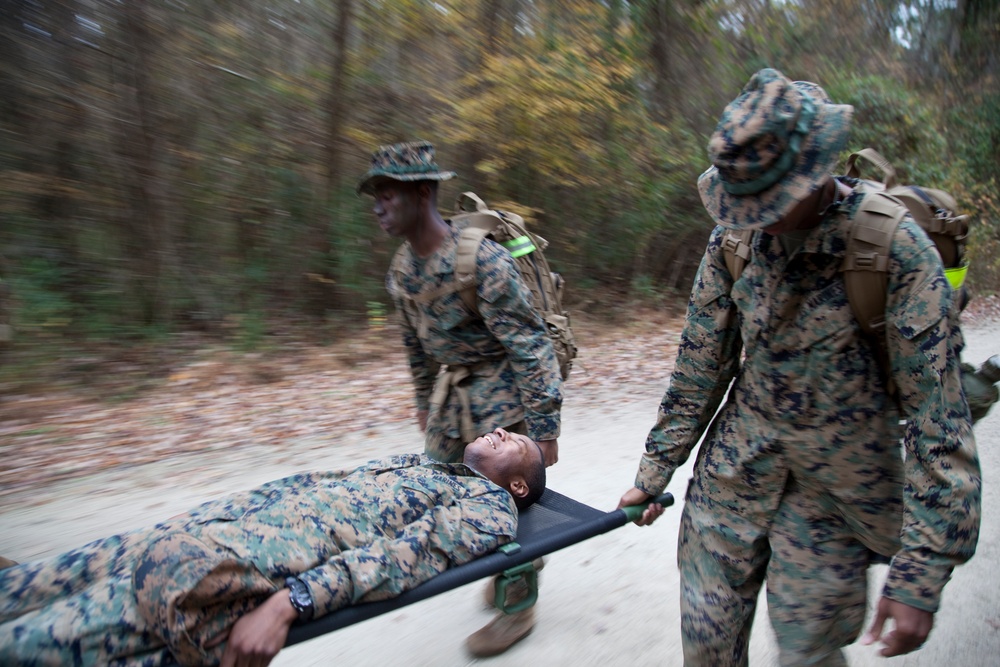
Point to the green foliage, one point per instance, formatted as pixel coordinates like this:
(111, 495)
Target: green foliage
(645, 287)
(358, 272)
(179, 173)
(42, 307)
(976, 120)
(984, 248)
(376, 315)
(901, 123)
(570, 135)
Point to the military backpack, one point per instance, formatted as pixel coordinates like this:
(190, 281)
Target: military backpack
(477, 222)
(869, 240)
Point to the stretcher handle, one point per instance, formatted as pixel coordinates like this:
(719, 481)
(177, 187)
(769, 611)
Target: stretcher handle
(525, 572)
(634, 512)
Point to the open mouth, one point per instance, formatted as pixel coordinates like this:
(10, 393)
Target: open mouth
(489, 439)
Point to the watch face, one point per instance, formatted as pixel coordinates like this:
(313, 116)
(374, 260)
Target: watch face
(298, 595)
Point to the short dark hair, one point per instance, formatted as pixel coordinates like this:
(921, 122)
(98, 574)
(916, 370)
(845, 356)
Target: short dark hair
(534, 477)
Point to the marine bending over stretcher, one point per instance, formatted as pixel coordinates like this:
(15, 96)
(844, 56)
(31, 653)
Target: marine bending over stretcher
(225, 582)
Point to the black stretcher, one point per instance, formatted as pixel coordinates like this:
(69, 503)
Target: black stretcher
(552, 523)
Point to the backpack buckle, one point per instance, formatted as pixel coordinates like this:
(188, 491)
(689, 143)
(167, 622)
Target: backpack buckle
(867, 261)
(734, 244)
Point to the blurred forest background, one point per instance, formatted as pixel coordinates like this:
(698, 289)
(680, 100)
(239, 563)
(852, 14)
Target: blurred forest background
(189, 165)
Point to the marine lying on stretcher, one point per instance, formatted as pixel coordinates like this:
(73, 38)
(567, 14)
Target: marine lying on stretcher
(224, 583)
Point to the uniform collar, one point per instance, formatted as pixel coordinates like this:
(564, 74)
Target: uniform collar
(442, 260)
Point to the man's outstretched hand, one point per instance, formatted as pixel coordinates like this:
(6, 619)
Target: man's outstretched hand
(633, 497)
(912, 626)
(257, 637)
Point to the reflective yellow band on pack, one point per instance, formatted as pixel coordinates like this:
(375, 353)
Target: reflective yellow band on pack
(522, 245)
(956, 276)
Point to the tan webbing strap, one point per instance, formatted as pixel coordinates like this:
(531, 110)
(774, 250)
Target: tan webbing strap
(427, 296)
(934, 211)
(450, 380)
(736, 251)
(480, 205)
(465, 264)
(866, 269)
(956, 226)
(397, 268)
(873, 156)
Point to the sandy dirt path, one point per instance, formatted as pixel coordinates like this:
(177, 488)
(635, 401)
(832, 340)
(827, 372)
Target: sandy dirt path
(611, 600)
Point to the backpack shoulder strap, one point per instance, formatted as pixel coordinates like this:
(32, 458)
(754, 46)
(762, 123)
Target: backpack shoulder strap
(866, 262)
(460, 284)
(395, 268)
(479, 222)
(736, 250)
(465, 263)
(866, 270)
(397, 258)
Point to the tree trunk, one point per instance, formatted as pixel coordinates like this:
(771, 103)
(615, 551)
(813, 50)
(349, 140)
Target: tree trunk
(337, 103)
(318, 280)
(149, 226)
(490, 20)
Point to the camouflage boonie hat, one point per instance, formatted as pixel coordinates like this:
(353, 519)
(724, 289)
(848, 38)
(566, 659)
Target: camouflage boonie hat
(410, 161)
(774, 145)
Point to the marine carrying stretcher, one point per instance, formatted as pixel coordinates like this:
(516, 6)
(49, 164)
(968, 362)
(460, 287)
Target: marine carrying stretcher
(551, 524)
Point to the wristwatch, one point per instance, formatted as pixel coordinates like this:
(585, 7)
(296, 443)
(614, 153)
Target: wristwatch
(301, 598)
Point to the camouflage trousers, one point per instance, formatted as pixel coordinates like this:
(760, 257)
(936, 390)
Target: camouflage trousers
(132, 599)
(816, 572)
(441, 447)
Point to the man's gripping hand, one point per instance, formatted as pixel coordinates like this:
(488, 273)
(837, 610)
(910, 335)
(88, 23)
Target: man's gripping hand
(633, 497)
(257, 637)
(912, 626)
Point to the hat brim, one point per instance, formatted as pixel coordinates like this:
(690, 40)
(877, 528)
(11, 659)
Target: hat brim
(376, 176)
(816, 161)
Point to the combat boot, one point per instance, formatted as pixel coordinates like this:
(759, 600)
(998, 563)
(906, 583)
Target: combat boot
(506, 629)
(501, 633)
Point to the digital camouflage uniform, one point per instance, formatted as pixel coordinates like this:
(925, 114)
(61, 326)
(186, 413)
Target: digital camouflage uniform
(502, 360)
(801, 475)
(352, 536)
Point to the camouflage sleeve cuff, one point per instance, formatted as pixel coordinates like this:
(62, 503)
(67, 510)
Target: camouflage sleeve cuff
(541, 427)
(326, 589)
(916, 584)
(652, 477)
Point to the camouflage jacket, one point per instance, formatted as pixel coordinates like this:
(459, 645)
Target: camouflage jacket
(139, 597)
(514, 372)
(367, 534)
(808, 401)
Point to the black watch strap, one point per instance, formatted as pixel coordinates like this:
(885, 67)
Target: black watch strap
(301, 598)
